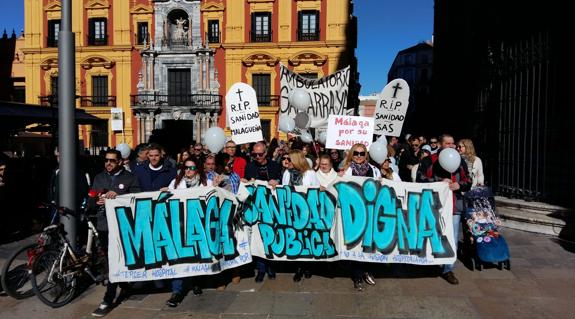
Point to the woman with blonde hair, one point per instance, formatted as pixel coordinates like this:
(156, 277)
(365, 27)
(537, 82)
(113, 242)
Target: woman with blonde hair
(357, 163)
(474, 164)
(298, 172)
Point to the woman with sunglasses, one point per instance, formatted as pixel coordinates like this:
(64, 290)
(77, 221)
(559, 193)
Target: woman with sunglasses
(190, 175)
(299, 173)
(358, 165)
(357, 161)
(387, 171)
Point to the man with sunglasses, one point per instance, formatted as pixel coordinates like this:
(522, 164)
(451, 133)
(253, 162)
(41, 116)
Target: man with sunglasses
(113, 181)
(263, 169)
(434, 144)
(408, 159)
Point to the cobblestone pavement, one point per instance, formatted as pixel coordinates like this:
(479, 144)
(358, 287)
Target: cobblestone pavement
(541, 284)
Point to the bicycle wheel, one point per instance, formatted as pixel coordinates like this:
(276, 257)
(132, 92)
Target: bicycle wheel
(15, 273)
(53, 287)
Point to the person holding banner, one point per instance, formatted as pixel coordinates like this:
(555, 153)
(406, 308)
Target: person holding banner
(113, 181)
(325, 174)
(358, 165)
(263, 169)
(235, 164)
(430, 171)
(299, 173)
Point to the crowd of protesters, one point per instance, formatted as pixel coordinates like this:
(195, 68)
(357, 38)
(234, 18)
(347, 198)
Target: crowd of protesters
(293, 163)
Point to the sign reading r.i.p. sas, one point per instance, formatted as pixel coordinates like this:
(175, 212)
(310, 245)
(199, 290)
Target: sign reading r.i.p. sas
(391, 107)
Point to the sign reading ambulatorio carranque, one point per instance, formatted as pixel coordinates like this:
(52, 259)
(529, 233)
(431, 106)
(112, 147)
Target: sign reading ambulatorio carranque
(201, 231)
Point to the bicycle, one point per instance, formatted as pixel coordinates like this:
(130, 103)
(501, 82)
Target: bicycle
(15, 273)
(55, 272)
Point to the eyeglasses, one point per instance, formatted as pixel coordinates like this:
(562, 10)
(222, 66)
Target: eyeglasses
(286, 158)
(112, 160)
(197, 149)
(191, 168)
(254, 154)
(415, 145)
(433, 142)
(356, 153)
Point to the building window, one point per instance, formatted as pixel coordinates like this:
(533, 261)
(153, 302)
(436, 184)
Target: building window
(266, 129)
(97, 31)
(262, 27)
(179, 87)
(100, 90)
(213, 31)
(262, 86)
(53, 32)
(308, 26)
(143, 33)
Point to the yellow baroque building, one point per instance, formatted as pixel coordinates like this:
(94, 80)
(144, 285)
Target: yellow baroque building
(168, 63)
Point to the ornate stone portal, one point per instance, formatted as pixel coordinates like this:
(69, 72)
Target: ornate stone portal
(178, 81)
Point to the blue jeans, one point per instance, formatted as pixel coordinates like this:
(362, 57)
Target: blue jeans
(178, 286)
(263, 266)
(456, 223)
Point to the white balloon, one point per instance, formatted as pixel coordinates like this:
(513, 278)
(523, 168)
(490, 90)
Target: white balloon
(322, 137)
(382, 139)
(215, 139)
(449, 159)
(378, 152)
(286, 123)
(300, 99)
(124, 149)
(306, 137)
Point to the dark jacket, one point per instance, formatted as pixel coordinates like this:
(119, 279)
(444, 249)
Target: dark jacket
(430, 171)
(162, 179)
(122, 183)
(271, 170)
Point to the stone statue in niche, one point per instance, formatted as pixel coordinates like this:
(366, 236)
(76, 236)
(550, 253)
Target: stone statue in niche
(180, 32)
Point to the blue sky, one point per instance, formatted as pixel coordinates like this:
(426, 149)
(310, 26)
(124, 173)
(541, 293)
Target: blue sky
(385, 27)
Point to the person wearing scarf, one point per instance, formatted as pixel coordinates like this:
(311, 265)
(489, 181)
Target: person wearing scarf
(358, 160)
(299, 173)
(190, 175)
(325, 174)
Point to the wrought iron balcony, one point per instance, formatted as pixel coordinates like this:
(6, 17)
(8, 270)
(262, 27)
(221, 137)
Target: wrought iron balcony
(48, 100)
(208, 101)
(307, 36)
(91, 101)
(99, 40)
(261, 37)
(268, 100)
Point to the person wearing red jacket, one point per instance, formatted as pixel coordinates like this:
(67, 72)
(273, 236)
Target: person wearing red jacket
(236, 164)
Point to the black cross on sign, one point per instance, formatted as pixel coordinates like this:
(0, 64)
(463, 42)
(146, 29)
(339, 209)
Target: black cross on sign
(396, 87)
(239, 92)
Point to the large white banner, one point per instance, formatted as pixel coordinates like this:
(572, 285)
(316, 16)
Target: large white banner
(328, 94)
(194, 232)
(243, 114)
